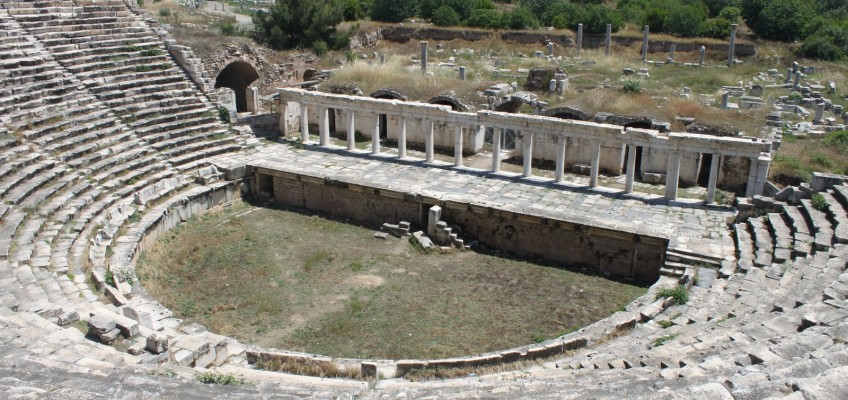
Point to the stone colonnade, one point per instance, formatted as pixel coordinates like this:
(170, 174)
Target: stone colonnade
(530, 129)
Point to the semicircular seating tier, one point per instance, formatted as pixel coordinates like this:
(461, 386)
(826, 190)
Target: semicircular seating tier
(102, 139)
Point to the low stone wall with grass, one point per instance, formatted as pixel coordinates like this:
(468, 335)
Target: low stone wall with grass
(602, 250)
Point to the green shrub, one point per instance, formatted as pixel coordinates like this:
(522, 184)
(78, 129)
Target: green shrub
(224, 114)
(819, 203)
(320, 47)
(491, 19)
(632, 86)
(228, 29)
(393, 10)
(837, 138)
(821, 160)
(782, 20)
(164, 12)
(445, 16)
(678, 293)
(220, 379)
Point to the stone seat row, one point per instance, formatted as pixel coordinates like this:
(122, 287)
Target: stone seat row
(82, 55)
(47, 30)
(87, 39)
(109, 66)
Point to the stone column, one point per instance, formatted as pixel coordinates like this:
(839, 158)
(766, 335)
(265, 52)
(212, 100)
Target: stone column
(645, 34)
(462, 73)
(795, 67)
(375, 136)
(284, 125)
(527, 153)
(731, 49)
(560, 160)
(671, 51)
(402, 138)
(797, 82)
(631, 168)
(496, 149)
(304, 123)
(701, 57)
(423, 57)
(596, 164)
(725, 97)
(819, 117)
(550, 48)
(252, 96)
(457, 146)
(579, 39)
(351, 130)
(757, 176)
(382, 59)
(788, 75)
(672, 176)
(608, 40)
(324, 126)
(428, 142)
(433, 217)
(711, 186)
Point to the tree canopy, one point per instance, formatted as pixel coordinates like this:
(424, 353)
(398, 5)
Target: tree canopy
(291, 24)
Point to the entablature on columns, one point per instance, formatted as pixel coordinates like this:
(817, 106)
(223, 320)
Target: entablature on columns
(540, 126)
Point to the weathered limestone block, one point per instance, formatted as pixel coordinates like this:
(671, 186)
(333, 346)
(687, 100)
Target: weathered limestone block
(157, 343)
(141, 317)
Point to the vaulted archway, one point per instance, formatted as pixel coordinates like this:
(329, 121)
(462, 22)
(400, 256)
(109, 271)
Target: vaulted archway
(237, 75)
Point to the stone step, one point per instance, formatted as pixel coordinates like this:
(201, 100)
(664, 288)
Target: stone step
(822, 229)
(690, 258)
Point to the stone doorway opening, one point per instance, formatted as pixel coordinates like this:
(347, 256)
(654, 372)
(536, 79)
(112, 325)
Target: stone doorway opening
(237, 75)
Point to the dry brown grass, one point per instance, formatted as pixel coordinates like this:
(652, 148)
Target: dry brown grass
(398, 74)
(310, 367)
(301, 282)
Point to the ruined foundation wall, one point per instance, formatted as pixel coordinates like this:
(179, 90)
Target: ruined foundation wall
(605, 251)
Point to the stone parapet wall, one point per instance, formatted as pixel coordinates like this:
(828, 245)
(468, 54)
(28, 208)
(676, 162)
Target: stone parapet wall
(602, 250)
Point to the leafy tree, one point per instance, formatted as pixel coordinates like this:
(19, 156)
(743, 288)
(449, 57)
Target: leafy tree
(427, 8)
(491, 19)
(538, 7)
(596, 18)
(566, 11)
(392, 10)
(684, 20)
(777, 19)
(718, 28)
(715, 6)
(290, 24)
(355, 9)
(522, 18)
(828, 42)
(445, 16)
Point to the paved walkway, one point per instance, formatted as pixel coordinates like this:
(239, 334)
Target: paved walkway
(687, 223)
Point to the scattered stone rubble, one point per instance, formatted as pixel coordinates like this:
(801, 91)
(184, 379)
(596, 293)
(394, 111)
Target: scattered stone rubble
(68, 183)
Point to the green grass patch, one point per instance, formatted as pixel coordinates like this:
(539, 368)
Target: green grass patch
(819, 203)
(293, 280)
(678, 293)
(220, 379)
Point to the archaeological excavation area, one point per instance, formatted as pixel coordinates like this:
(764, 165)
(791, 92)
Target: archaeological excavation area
(374, 246)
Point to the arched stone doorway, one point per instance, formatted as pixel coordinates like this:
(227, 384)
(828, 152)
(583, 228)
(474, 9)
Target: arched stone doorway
(383, 119)
(237, 75)
(454, 103)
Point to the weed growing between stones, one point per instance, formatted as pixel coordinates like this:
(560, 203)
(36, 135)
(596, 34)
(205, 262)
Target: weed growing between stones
(819, 203)
(678, 293)
(220, 379)
(662, 340)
